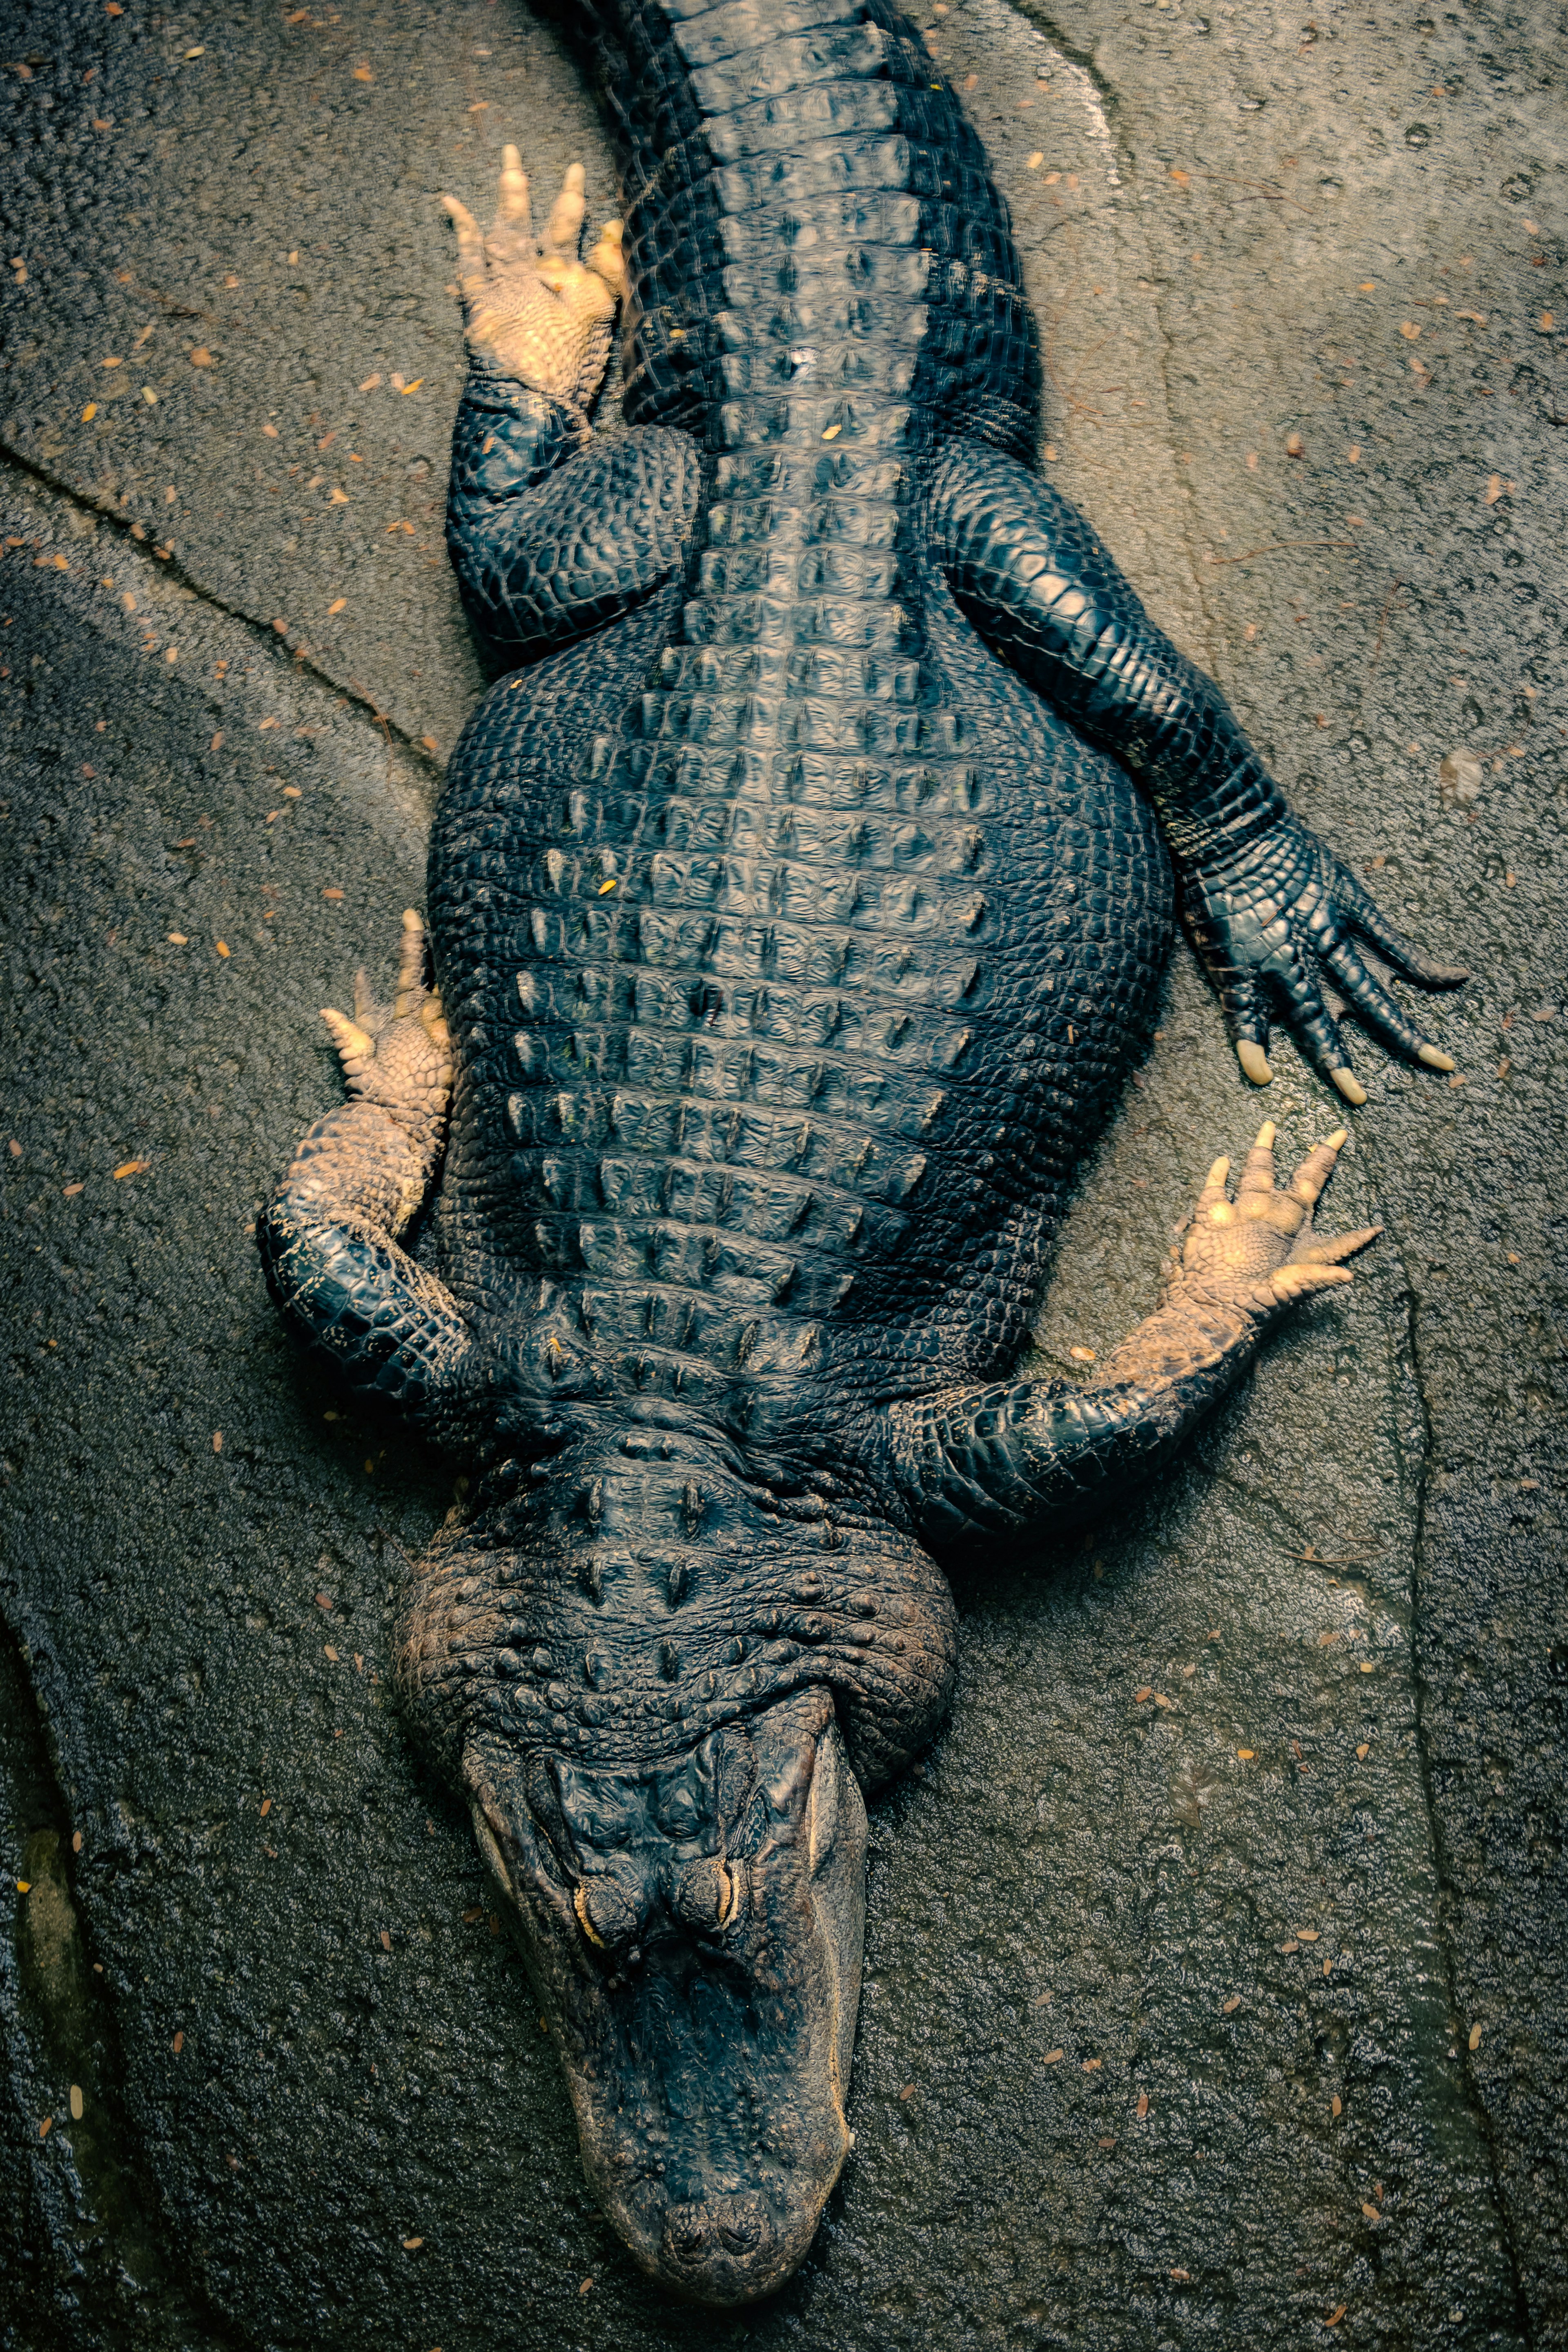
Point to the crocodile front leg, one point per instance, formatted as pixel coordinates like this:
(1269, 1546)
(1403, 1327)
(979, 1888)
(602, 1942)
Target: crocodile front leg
(549, 535)
(1269, 906)
(1015, 1455)
(329, 1235)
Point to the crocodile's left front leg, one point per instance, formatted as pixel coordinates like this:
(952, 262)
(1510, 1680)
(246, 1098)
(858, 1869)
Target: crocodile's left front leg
(1270, 907)
(330, 1235)
(1026, 1452)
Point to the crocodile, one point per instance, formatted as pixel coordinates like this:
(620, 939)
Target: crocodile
(797, 898)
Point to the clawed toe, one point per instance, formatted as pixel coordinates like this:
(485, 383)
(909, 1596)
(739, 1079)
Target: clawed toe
(1264, 1235)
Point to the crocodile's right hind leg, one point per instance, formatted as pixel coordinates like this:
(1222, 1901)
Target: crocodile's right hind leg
(329, 1235)
(551, 532)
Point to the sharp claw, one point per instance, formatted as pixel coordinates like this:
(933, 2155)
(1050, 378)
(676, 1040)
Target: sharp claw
(1338, 1141)
(1254, 1062)
(1265, 1135)
(1435, 1058)
(1350, 1086)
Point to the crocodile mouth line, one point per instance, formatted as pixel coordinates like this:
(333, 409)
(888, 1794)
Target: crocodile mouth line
(693, 1930)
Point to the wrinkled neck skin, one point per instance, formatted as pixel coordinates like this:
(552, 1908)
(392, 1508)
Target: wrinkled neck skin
(825, 288)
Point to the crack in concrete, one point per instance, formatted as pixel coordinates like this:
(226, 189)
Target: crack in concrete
(1420, 1466)
(1059, 38)
(119, 2261)
(302, 660)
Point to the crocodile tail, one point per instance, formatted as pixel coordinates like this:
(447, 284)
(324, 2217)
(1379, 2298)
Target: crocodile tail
(757, 135)
(616, 1614)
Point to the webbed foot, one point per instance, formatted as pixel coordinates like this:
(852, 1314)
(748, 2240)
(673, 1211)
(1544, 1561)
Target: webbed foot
(537, 311)
(1279, 918)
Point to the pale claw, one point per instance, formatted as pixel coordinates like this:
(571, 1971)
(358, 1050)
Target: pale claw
(534, 310)
(1259, 1248)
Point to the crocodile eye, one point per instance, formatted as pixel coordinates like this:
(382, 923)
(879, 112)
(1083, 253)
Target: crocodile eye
(708, 1893)
(605, 1912)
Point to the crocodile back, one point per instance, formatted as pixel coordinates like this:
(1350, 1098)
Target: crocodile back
(792, 947)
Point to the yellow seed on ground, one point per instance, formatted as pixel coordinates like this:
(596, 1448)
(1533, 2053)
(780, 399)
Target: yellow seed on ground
(605, 888)
(1475, 2037)
(832, 432)
(76, 2102)
(1246, 1754)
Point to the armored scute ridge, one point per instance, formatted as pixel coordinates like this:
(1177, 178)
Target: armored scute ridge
(797, 897)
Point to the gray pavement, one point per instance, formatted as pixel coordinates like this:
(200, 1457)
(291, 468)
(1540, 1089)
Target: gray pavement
(1230, 2016)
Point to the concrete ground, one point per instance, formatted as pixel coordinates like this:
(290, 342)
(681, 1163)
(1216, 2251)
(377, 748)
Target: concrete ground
(1228, 2016)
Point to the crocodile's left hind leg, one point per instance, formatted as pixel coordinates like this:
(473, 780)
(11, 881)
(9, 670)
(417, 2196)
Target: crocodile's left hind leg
(330, 1234)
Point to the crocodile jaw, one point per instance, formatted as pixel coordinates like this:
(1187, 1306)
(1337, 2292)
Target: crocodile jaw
(694, 1931)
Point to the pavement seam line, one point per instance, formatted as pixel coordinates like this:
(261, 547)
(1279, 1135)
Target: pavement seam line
(299, 659)
(1448, 1891)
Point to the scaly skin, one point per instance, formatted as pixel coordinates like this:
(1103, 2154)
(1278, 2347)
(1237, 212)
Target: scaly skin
(797, 897)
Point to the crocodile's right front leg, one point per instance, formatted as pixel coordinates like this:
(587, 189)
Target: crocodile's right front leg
(329, 1236)
(551, 535)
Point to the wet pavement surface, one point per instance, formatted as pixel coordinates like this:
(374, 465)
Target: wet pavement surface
(1231, 2014)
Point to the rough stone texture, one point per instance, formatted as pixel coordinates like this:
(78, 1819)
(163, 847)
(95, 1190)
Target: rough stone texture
(360, 2065)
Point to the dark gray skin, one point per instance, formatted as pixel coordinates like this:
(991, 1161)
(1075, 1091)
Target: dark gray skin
(798, 896)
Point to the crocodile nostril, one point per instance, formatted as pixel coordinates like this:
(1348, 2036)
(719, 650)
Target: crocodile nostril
(736, 2226)
(743, 2233)
(605, 1912)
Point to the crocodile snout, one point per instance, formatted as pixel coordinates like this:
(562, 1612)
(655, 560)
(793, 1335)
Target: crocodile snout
(693, 1927)
(717, 2245)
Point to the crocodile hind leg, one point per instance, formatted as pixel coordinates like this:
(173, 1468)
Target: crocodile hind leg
(329, 1235)
(1271, 910)
(550, 534)
(1019, 1452)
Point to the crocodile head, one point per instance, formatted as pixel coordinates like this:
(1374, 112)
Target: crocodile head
(693, 1928)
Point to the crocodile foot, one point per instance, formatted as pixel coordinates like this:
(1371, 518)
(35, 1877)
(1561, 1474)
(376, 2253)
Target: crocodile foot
(535, 311)
(1258, 1251)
